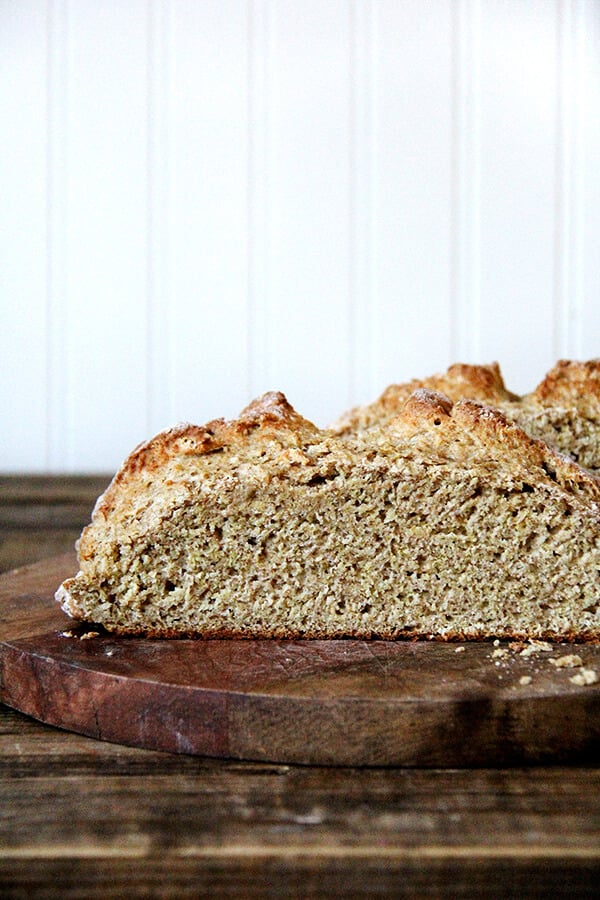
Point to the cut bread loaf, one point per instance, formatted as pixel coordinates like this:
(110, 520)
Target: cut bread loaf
(450, 523)
(564, 410)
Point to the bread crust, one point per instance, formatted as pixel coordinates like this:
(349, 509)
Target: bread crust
(456, 424)
(269, 416)
(460, 381)
(563, 410)
(230, 634)
(272, 418)
(570, 383)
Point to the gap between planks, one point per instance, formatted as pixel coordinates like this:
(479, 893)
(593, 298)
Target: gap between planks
(141, 848)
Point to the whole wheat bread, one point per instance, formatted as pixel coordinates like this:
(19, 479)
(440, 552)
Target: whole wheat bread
(563, 410)
(450, 522)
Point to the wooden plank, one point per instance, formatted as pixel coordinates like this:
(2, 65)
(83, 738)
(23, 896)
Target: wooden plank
(42, 516)
(52, 489)
(22, 547)
(330, 813)
(82, 817)
(293, 875)
(379, 801)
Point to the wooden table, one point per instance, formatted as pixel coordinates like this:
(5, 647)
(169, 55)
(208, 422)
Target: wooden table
(83, 818)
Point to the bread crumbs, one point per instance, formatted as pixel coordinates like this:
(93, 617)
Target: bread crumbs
(584, 677)
(536, 647)
(569, 662)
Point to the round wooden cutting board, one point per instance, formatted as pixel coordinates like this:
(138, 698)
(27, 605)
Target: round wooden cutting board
(322, 702)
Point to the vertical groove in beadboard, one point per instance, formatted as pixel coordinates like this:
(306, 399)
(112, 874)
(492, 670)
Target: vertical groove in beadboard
(374, 176)
(158, 343)
(258, 124)
(466, 191)
(363, 300)
(561, 185)
(578, 176)
(57, 342)
(568, 290)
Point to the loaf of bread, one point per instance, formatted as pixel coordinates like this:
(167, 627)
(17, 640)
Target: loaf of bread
(450, 522)
(564, 410)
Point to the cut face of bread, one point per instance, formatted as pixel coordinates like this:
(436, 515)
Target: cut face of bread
(564, 410)
(450, 522)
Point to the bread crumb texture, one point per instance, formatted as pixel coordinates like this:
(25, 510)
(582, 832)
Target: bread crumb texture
(448, 520)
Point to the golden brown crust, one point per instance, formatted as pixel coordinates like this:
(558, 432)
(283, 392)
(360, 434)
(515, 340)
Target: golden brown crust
(471, 382)
(272, 418)
(570, 382)
(460, 381)
(425, 406)
(454, 424)
(563, 411)
(269, 416)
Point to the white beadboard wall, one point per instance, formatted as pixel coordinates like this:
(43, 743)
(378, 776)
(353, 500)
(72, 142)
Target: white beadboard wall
(201, 200)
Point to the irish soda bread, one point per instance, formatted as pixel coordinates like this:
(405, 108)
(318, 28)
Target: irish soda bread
(564, 410)
(449, 522)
